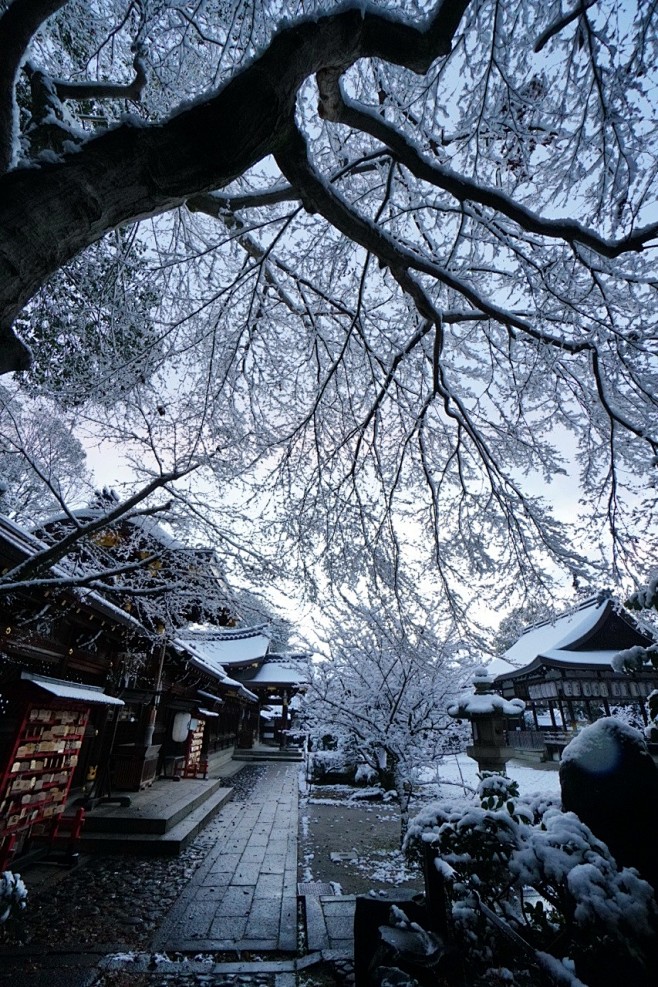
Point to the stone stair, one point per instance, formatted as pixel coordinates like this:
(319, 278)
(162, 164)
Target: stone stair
(160, 821)
(262, 753)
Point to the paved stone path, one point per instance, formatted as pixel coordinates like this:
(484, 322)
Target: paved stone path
(244, 894)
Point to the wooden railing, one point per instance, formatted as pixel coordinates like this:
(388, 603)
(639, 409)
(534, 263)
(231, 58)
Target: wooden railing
(538, 739)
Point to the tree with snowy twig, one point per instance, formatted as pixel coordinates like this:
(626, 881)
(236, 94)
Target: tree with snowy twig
(382, 688)
(395, 260)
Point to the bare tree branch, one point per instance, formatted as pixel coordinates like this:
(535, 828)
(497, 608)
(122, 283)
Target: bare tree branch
(106, 90)
(40, 562)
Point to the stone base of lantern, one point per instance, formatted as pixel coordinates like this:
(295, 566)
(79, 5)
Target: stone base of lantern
(490, 758)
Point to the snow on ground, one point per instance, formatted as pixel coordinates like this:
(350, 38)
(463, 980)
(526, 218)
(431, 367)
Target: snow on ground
(386, 867)
(354, 844)
(459, 770)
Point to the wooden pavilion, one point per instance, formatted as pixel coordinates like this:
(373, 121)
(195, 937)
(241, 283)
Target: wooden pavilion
(93, 700)
(563, 671)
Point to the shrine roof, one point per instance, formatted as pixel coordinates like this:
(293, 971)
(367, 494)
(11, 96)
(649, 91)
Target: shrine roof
(226, 646)
(278, 672)
(566, 629)
(28, 545)
(587, 636)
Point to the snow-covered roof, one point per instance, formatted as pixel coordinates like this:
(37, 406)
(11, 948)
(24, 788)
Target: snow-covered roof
(239, 687)
(156, 530)
(589, 635)
(28, 545)
(498, 666)
(279, 672)
(560, 633)
(210, 695)
(566, 657)
(205, 656)
(150, 526)
(92, 694)
(226, 646)
(19, 538)
(99, 602)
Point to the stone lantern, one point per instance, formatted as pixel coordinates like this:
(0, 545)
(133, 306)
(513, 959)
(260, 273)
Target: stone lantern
(487, 713)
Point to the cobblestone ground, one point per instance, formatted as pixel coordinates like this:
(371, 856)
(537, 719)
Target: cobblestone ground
(115, 904)
(115, 899)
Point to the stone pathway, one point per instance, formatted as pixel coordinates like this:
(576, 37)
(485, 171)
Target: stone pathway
(330, 923)
(244, 895)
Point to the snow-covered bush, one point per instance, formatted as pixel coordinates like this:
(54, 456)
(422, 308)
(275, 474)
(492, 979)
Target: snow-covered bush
(540, 870)
(651, 730)
(329, 765)
(365, 774)
(13, 896)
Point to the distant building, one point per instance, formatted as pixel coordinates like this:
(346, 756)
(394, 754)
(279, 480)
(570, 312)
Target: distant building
(271, 679)
(563, 671)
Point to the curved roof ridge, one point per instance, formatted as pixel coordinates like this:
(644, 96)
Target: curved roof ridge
(562, 631)
(217, 632)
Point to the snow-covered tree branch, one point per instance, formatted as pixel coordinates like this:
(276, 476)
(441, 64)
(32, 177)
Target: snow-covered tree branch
(396, 262)
(384, 684)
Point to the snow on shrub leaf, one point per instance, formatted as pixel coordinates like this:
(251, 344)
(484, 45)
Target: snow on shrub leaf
(540, 869)
(13, 895)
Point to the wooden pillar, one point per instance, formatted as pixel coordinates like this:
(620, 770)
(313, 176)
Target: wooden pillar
(284, 718)
(572, 715)
(562, 716)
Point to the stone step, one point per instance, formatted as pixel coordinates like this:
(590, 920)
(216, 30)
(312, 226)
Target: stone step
(261, 755)
(155, 811)
(169, 843)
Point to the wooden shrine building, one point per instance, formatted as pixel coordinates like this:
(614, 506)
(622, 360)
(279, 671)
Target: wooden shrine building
(98, 698)
(270, 680)
(563, 671)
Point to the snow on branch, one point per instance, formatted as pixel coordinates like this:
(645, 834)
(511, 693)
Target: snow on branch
(41, 561)
(317, 196)
(358, 117)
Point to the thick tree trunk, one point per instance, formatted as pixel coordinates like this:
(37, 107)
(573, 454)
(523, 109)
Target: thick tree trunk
(393, 777)
(47, 215)
(50, 213)
(17, 26)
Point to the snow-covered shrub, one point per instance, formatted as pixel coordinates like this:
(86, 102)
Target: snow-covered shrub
(540, 870)
(327, 766)
(13, 896)
(651, 730)
(365, 774)
(629, 714)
